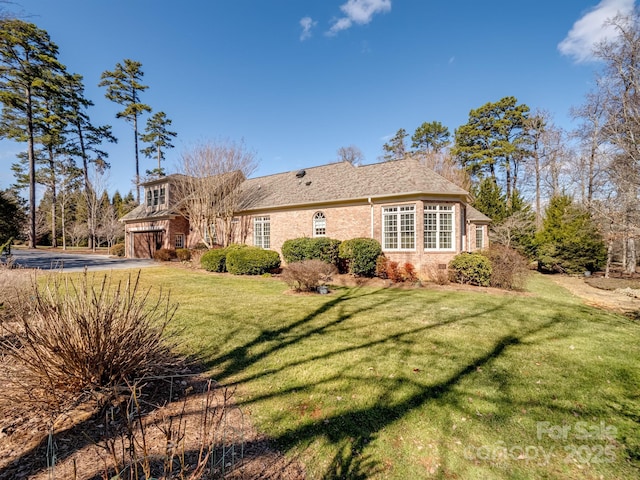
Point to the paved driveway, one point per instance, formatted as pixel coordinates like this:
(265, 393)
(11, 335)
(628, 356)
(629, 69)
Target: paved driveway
(74, 262)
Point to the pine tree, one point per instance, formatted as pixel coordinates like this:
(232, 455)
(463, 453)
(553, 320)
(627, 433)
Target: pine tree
(124, 88)
(395, 148)
(28, 66)
(157, 133)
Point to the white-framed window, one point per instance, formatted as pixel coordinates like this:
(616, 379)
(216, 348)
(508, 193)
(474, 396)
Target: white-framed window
(479, 237)
(156, 196)
(438, 227)
(319, 225)
(399, 227)
(262, 232)
(179, 240)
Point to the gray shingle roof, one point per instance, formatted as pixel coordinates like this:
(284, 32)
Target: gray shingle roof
(474, 215)
(342, 182)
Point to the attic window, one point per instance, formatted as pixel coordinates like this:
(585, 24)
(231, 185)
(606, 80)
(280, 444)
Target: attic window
(301, 173)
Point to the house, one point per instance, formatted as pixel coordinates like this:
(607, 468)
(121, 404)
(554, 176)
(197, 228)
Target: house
(417, 215)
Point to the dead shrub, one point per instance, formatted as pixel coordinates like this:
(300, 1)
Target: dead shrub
(165, 255)
(408, 273)
(89, 334)
(393, 272)
(509, 269)
(381, 266)
(308, 275)
(437, 275)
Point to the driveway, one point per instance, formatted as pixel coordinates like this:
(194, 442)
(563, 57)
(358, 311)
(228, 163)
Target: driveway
(44, 259)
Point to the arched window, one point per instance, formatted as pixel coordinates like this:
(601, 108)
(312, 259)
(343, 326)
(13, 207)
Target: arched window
(319, 225)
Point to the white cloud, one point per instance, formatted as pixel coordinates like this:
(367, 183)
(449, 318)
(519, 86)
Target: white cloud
(307, 23)
(590, 29)
(359, 12)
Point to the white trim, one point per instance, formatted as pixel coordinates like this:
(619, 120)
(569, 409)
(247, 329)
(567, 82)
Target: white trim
(146, 229)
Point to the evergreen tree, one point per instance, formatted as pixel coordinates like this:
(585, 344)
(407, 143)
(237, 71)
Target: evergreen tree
(493, 142)
(569, 240)
(395, 148)
(488, 199)
(430, 137)
(159, 136)
(124, 88)
(11, 216)
(28, 66)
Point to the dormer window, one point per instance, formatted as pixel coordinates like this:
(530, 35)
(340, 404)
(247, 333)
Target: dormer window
(156, 196)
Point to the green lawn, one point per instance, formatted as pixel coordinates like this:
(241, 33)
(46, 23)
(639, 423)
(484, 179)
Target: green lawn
(390, 383)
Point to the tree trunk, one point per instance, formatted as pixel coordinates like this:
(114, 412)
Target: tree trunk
(135, 142)
(631, 260)
(32, 171)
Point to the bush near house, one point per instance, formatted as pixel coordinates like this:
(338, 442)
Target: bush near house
(304, 248)
(117, 250)
(183, 254)
(509, 269)
(165, 255)
(470, 268)
(308, 275)
(360, 256)
(215, 260)
(252, 261)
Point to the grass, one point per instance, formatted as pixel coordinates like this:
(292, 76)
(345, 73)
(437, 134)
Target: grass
(391, 383)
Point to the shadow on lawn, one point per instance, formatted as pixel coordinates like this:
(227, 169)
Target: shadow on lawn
(350, 432)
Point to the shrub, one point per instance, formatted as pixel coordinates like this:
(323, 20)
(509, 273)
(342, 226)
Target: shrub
(307, 275)
(164, 255)
(304, 248)
(408, 273)
(87, 334)
(183, 254)
(360, 256)
(438, 273)
(251, 261)
(117, 250)
(393, 273)
(381, 266)
(509, 269)
(470, 268)
(295, 249)
(214, 260)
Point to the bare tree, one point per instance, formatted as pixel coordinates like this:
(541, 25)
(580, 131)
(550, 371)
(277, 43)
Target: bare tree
(445, 165)
(110, 228)
(549, 157)
(351, 154)
(76, 232)
(207, 188)
(594, 157)
(618, 89)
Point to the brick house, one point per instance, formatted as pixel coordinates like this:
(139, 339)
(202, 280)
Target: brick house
(416, 215)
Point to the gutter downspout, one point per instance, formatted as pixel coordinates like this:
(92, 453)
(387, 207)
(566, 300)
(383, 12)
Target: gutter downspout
(371, 203)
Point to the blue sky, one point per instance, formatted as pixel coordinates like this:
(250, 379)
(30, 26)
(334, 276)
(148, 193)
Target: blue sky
(297, 79)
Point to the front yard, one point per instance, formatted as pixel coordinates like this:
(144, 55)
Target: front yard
(388, 383)
(439, 382)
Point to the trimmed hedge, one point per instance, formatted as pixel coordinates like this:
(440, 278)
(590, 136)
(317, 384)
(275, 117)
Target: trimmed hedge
(470, 268)
(251, 261)
(304, 248)
(360, 256)
(215, 260)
